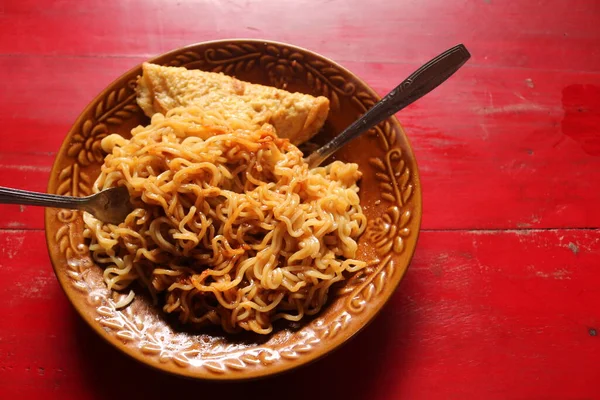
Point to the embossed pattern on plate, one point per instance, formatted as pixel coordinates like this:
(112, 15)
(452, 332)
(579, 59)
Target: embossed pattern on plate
(390, 194)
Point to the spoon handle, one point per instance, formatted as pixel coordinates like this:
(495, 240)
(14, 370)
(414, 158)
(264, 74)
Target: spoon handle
(17, 196)
(421, 82)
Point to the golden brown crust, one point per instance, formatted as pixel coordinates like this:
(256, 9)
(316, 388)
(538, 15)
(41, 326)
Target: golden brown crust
(295, 116)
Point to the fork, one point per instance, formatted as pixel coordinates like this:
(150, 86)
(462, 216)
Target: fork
(110, 205)
(113, 205)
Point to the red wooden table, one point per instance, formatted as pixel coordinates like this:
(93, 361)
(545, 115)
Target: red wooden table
(502, 300)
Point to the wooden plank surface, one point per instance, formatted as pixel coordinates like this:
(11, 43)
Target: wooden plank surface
(478, 314)
(539, 34)
(519, 146)
(500, 301)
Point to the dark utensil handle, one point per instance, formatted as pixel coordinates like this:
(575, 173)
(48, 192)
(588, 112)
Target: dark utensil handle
(17, 196)
(421, 82)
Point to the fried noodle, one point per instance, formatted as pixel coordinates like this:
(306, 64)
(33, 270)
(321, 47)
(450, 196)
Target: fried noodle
(230, 226)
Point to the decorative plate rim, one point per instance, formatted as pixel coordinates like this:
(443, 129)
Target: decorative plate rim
(285, 365)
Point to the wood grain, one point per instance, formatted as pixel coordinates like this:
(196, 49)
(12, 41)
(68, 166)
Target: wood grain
(478, 315)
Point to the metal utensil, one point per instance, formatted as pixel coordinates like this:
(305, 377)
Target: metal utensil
(421, 82)
(113, 205)
(110, 205)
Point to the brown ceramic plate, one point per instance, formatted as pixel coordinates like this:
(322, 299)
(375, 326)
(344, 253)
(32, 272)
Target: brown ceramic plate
(390, 194)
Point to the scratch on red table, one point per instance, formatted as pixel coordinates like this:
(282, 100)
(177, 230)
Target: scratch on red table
(512, 108)
(559, 274)
(12, 246)
(529, 83)
(36, 288)
(573, 247)
(24, 168)
(15, 225)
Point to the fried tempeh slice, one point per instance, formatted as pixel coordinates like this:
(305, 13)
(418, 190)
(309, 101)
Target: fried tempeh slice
(295, 116)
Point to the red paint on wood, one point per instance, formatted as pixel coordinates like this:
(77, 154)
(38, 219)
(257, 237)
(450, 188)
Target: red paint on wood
(511, 141)
(43, 96)
(28, 172)
(495, 315)
(508, 143)
(581, 104)
(547, 34)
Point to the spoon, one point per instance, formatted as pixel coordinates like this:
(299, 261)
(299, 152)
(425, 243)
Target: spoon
(417, 85)
(110, 205)
(113, 205)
